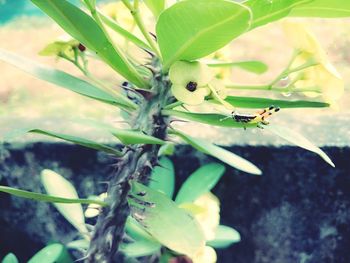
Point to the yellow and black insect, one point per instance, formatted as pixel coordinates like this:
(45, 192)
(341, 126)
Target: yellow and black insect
(258, 118)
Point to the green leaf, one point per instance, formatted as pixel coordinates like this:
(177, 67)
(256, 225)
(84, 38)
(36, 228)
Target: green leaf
(10, 258)
(261, 103)
(253, 66)
(166, 149)
(224, 237)
(140, 248)
(70, 138)
(323, 8)
(54, 253)
(156, 6)
(63, 79)
(173, 227)
(83, 28)
(163, 177)
(209, 118)
(299, 140)
(126, 34)
(47, 198)
(136, 231)
(57, 185)
(267, 11)
(135, 137)
(193, 29)
(220, 153)
(200, 182)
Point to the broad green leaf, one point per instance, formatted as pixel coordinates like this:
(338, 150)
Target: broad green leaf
(266, 11)
(126, 34)
(70, 138)
(261, 103)
(220, 153)
(156, 6)
(200, 182)
(54, 253)
(57, 185)
(224, 237)
(193, 29)
(209, 118)
(135, 137)
(63, 79)
(47, 198)
(323, 8)
(83, 28)
(10, 258)
(254, 66)
(173, 227)
(136, 231)
(299, 140)
(163, 177)
(140, 248)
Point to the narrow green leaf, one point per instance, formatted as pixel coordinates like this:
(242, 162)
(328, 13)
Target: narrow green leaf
(266, 11)
(200, 182)
(54, 253)
(323, 8)
(126, 34)
(83, 28)
(193, 29)
(209, 118)
(173, 227)
(253, 66)
(299, 140)
(135, 137)
(57, 185)
(47, 198)
(163, 177)
(261, 103)
(225, 236)
(10, 258)
(70, 138)
(63, 79)
(220, 153)
(156, 6)
(140, 248)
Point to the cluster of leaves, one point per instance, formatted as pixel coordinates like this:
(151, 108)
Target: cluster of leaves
(148, 232)
(185, 31)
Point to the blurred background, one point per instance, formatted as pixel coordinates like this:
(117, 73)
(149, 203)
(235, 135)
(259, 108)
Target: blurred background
(297, 212)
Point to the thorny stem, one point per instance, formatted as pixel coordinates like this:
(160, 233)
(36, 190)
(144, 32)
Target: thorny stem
(136, 164)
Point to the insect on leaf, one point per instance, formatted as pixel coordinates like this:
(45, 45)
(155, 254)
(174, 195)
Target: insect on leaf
(193, 29)
(173, 227)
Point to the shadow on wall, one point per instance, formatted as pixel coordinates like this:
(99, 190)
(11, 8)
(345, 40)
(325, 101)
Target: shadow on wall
(297, 211)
